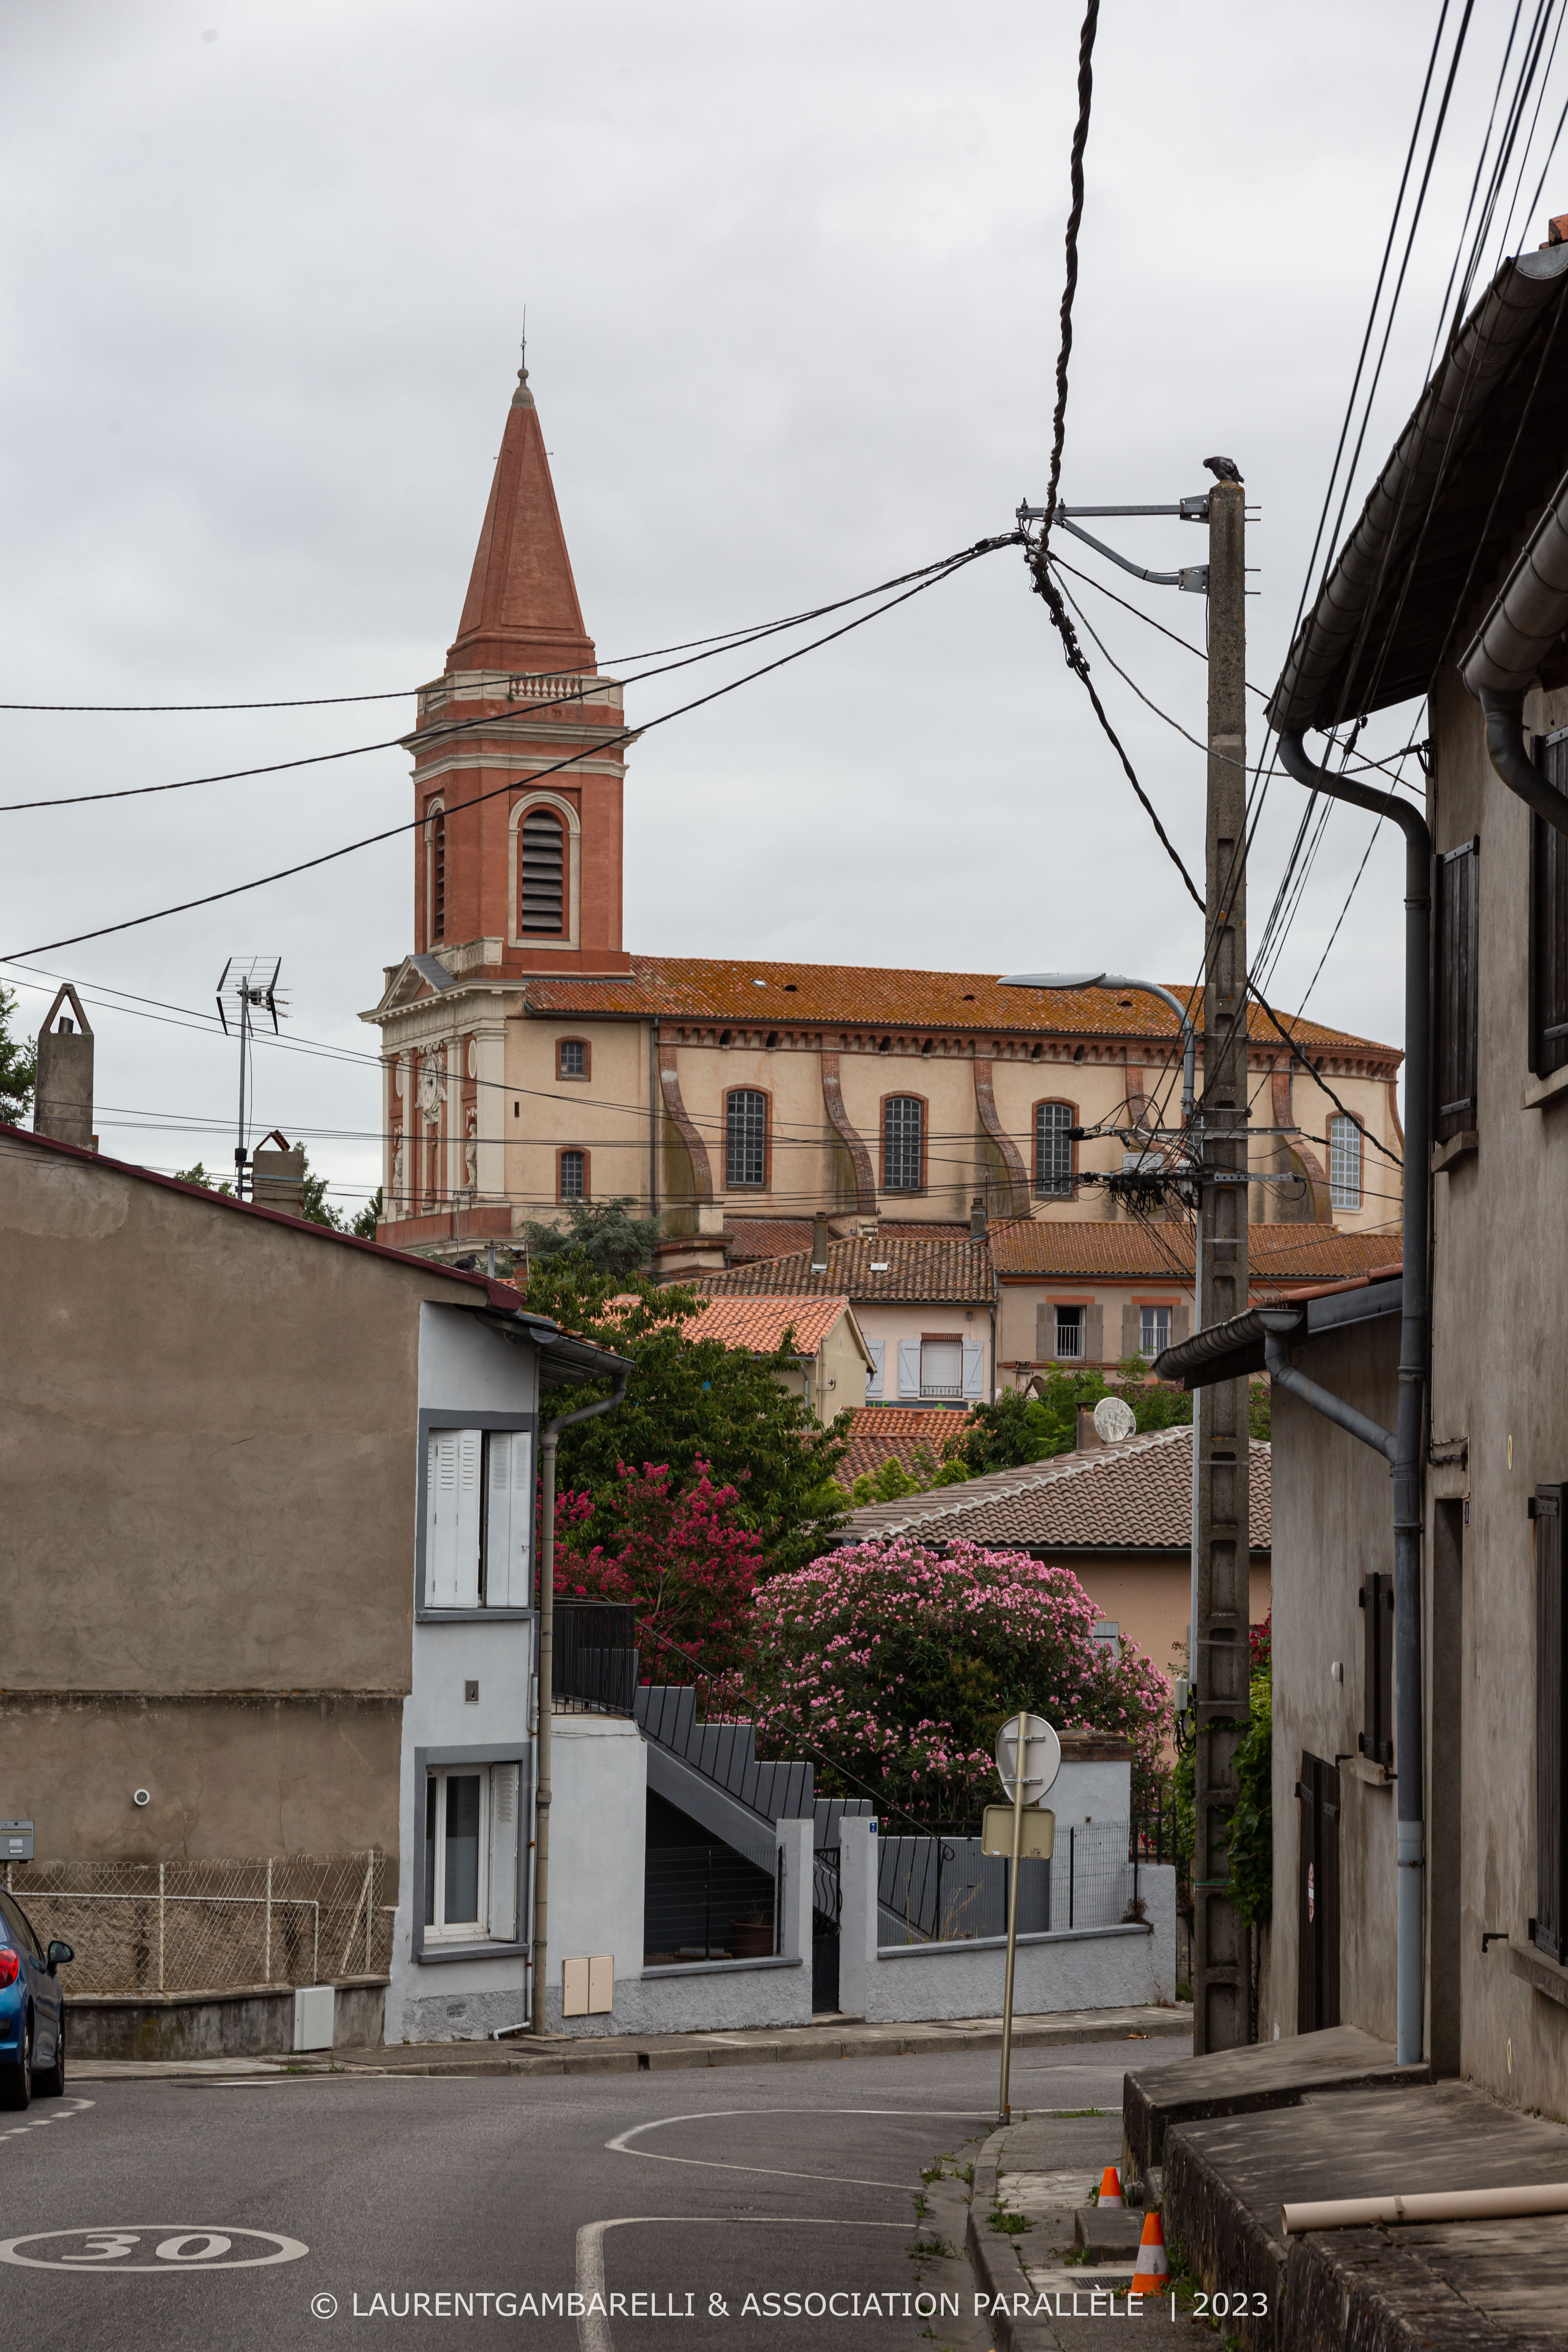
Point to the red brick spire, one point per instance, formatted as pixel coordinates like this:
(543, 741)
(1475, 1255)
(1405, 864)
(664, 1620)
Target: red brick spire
(522, 611)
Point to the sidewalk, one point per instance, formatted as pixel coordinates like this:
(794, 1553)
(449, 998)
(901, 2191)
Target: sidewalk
(829, 2037)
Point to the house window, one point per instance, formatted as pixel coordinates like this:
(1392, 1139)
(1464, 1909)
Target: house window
(542, 875)
(1548, 1928)
(1070, 1330)
(436, 854)
(1153, 1330)
(1457, 915)
(941, 1364)
(479, 1514)
(472, 1815)
(1549, 924)
(745, 1137)
(573, 1176)
(1053, 1150)
(903, 1138)
(572, 1060)
(1344, 1162)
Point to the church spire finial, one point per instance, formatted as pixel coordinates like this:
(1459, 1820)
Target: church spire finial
(523, 398)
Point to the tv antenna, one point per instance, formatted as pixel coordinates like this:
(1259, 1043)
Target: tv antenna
(248, 986)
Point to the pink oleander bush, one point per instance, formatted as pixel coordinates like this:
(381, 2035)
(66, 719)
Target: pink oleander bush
(902, 1663)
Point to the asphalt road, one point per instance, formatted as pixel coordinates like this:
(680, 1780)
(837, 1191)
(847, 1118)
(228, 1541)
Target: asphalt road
(692, 2191)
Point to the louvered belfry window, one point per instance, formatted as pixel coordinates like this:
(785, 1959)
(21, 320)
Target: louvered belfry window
(903, 1130)
(1053, 1149)
(542, 875)
(745, 1137)
(1455, 934)
(439, 875)
(1548, 922)
(1547, 1928)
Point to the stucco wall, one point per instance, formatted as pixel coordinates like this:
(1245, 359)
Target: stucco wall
(891, 1323)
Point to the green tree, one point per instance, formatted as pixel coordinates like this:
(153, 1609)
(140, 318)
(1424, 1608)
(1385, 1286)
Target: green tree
(18, 1067)
(603, 1235)
(318, 1210)
(690, 1403)
(370, 1216)
(199, 1175)
(1021, 1428)
(890, 1481)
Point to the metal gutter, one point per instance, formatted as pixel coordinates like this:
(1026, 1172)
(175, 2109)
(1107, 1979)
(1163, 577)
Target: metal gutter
(1514, 642)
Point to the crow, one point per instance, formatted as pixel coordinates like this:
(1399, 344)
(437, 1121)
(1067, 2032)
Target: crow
(1224, 469)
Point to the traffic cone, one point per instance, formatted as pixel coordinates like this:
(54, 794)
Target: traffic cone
(1110, 2197)
(1153, 2267)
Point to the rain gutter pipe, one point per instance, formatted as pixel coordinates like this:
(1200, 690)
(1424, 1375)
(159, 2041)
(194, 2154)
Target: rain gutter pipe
(1506, 656)
(1428, 2205)
(1404, 1450)
(546, 1680)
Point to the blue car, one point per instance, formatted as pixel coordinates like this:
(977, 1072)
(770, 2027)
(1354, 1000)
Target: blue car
(32, 2010)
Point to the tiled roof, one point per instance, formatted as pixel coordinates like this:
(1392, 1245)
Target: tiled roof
(720, 988)
(865, 1270)
(761, 1323)
(1135, 1497)
(748, 1237)
(877, 1432)
(1119, 1248)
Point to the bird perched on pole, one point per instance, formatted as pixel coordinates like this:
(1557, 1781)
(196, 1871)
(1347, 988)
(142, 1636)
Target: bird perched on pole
(1224, 469)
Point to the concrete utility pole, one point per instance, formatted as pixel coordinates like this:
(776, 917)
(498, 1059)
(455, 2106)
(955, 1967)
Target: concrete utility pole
(1219, 1667)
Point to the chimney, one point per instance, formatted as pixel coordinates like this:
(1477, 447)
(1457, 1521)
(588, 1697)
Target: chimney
(819, 1242)
(62, 1090)
(977, 1218)
(278, 1177)
(1088, 1439)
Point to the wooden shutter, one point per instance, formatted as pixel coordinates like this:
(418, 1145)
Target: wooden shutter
(1180, 1323)
(1547, 1928)
(505, 1790)
(875, 1347)
(1548, 922)
(1045, 1334)
(1094, 1335)
(509, 1516)
(452, 1512)
(910, 1369)
(1375, 1740)
(1456, 894)
(973, 1369)
(1131, 1331)
(1318, 1896)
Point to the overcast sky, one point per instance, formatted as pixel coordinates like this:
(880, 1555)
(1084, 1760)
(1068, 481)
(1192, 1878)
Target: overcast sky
(792, 275)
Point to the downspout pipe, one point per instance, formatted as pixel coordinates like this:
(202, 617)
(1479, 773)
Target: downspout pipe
(547, 1445)
(1507, 654)
(1406, 1456)
(1277, 1323)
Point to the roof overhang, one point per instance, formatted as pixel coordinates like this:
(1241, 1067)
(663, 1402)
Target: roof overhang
(1232, 1351)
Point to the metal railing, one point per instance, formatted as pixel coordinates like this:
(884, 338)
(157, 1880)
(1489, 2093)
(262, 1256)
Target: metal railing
(595, 1654)
(706, 1902)
(209, 1926)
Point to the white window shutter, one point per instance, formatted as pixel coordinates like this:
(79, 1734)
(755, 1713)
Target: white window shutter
(874, 1377)
(509, 1516)
(909, 1368)
(504, 1792)
(452, 1519)
(973, 1367)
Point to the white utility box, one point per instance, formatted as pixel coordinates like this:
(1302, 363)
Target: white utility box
(314, 2010)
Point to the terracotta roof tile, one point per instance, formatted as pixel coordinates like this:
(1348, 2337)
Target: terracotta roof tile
(749, 1237)
(720, 988)
(879, 1431)
(1135, 1497)
(1113, 1247)
(761, 1323)
(868, 1269)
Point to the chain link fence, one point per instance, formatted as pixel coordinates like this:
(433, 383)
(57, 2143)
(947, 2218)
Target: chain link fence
(209, 1926)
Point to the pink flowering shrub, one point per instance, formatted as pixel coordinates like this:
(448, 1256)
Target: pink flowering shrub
(902, 1663)
(677, 1556)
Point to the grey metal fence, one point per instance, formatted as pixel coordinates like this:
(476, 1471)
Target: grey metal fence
(706, 1902)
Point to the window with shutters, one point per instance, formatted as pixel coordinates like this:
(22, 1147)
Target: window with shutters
(1344, 1162)
(1376, 1738)
(1548, 921)
(745, 1135)
(436, 873)
(477, 1519)
(1549, 1928)
(573, 1176)
(1054, 1149)
(542, 875)
(1069, 1332)
(903, 1143)
(1456, 917)
(941, 1364)
(471, 1846)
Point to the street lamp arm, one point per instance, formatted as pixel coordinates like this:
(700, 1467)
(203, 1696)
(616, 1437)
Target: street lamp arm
(1081, 979)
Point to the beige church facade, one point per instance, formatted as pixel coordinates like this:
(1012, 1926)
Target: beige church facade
(531, 1060)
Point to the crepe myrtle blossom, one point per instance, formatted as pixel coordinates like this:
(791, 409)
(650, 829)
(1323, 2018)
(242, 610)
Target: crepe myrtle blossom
(901, 1663)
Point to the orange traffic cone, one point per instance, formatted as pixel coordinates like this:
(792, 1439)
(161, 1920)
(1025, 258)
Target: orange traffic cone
(1111, 2189)
(1153, 2267)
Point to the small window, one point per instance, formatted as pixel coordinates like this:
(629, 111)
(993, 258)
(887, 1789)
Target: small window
(1053, 1150)
(573, 1176)
(1153, 1330)
(472, 1815)
(903, 1139)
(1344, 1162)
(745, 1137)
(437, 860)
(942, 1367)
(1069, 1332)
(542, 875)
(1456, 919)
(573, 1058)
(479, 1517)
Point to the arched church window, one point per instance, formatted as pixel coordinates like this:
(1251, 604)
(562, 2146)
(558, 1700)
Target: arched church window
(541, 874)
(436, 834)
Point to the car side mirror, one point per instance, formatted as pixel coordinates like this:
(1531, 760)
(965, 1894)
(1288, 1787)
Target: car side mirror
(57, 1953)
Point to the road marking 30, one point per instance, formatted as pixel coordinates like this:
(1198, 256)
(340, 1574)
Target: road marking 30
(173, 2247)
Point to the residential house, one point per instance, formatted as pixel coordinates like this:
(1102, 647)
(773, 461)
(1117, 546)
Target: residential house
(832, 1358)
(915, 1437)
(531, 1059)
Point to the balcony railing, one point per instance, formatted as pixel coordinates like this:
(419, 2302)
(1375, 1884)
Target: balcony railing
(595, 1657)
(1069, 1338)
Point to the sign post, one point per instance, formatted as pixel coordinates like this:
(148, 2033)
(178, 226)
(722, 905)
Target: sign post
(1028, 1757)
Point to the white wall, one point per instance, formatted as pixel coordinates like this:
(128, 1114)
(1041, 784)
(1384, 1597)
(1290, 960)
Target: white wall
(598, 1833)
(1091, 1792)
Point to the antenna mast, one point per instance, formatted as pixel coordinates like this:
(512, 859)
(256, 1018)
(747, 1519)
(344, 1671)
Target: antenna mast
(245, 989)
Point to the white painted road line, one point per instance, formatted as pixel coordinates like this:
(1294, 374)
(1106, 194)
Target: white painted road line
(619, 2145)
(593, 2333)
